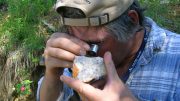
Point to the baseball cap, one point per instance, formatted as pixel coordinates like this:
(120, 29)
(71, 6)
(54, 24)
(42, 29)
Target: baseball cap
(97, 12)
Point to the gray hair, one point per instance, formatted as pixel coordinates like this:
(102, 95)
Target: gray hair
(122, 27)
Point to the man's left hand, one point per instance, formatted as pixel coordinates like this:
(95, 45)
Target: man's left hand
(114, 89)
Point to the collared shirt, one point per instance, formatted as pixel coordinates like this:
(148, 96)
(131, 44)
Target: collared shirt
(156, 76)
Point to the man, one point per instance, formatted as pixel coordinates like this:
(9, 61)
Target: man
(142, 60)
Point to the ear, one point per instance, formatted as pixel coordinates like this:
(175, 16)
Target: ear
(134, 16)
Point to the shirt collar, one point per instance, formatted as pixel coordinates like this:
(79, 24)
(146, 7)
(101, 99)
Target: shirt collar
(154, 43)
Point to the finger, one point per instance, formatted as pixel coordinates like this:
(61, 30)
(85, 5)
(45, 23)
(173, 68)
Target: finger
(59, 54)
(110, 67)
(84, 89)
(54, 62)
(114, 84)
(69, 43)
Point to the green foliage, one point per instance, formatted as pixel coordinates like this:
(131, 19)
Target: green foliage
(23, 88)
(3, 1)
(21, 28)
(22, 25)
(165, 12)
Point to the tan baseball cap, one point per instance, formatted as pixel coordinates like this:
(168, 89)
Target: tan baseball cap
(97, 12)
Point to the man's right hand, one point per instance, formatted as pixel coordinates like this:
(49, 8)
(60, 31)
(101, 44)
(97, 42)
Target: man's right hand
(60, 51)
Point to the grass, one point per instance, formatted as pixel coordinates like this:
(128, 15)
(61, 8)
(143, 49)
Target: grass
(166, 14)
(22, 41)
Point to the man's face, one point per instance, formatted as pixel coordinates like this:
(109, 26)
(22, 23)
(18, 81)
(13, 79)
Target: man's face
(105, 40)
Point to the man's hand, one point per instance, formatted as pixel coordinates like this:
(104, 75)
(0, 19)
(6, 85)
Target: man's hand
(61, 50)
(114, 89)
(59, 54)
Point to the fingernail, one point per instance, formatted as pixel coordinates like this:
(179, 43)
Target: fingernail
(82, 52)
(108, 54)
(86, 46)
(61, 78)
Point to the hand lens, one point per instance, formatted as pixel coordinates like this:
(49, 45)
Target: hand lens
(93, 50)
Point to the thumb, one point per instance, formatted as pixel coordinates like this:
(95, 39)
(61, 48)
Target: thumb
(110, 67)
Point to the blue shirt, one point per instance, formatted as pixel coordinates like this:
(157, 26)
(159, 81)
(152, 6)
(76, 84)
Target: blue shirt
(156, 75)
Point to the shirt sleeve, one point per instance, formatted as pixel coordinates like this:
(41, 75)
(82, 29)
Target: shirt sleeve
(38, 89)
(66, 93)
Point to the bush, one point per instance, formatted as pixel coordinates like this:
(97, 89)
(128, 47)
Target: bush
(165, 12)
(22, 40)
(24, 19)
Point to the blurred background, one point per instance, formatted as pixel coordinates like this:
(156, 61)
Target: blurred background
(25, 25)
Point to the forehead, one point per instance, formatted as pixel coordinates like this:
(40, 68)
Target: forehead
(91, 34)
(86, 29)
